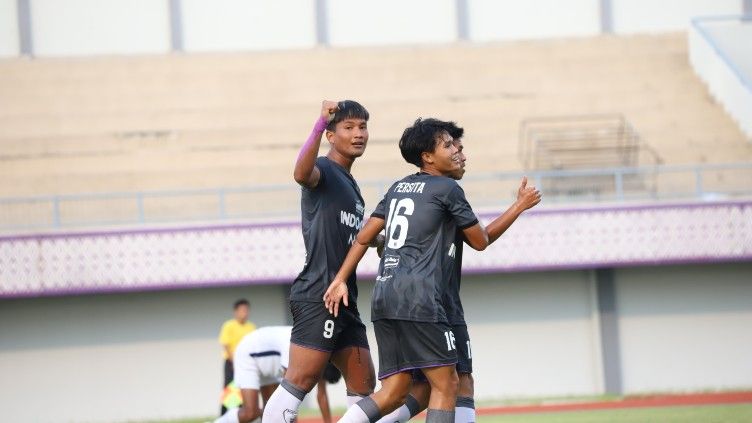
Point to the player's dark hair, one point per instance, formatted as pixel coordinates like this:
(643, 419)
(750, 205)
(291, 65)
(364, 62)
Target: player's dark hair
(240, 302)
(331, 373)
(455, 131)
(421, 138)
(347, 109)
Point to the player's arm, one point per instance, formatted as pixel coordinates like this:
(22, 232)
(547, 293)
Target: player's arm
(527, 198)
(378, 244)
(479, 237)
(323, 399)
(229, 354)
(306, 173)
(337, 290)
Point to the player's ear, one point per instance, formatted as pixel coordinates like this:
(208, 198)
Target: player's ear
(329, 134)
(427, 157)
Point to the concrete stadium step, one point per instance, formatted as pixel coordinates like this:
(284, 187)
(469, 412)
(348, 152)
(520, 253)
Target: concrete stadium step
(212, 120)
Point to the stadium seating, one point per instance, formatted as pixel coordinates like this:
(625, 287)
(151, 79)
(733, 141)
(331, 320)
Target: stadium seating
(119, 124)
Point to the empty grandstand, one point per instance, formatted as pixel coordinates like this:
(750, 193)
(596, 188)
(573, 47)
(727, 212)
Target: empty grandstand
(183, 137)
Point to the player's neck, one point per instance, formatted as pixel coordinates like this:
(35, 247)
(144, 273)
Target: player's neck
(345, 162)
(430, 170)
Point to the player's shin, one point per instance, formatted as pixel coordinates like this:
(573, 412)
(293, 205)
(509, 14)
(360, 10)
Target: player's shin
(410, 409)
(283, 404)
(439, 416)
(465, 410)
(353, 398)
(364, 411)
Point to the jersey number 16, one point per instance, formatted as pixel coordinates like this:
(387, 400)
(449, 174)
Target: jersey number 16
(397, 223)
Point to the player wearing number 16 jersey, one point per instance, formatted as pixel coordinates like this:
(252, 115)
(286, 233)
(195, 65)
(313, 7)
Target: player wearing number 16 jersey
(421, 213)
(417, 401)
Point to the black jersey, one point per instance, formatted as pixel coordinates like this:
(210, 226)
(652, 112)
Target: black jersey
(331, 214)
(452, 303)
(422, 213)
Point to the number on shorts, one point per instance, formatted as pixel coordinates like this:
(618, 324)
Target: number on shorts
(328, 329)
(469, 351)
(449, 335)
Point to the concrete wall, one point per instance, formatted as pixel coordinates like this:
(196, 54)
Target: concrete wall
(9, 40)
(634, 16)
(226, 25)
(365, 22)
(86, 27)
(533, 334)
(723, 62)
(113, 358)
(512, 19)
(727, 35)
(155, 355)
(685, 328)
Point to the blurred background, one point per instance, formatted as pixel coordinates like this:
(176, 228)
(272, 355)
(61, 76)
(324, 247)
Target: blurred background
(146, 153)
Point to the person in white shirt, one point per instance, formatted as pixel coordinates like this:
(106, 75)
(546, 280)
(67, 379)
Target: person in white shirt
(261, 360)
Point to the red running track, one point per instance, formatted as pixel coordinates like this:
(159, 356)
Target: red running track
(627, 402)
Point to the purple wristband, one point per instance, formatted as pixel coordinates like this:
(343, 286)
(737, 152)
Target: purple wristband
(320, 125)
(315, 136)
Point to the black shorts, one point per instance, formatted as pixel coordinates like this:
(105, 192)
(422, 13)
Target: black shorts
(314, 327)
(464, 353)
(464, 350)
(405, 345)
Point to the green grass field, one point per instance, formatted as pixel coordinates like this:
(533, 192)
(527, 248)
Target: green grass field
(736, 413)
(733, 413)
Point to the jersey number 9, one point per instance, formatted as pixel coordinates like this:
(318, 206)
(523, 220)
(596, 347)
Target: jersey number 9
(328, 329)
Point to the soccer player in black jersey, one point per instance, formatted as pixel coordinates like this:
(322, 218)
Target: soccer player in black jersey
(332, 212)
(421, 214)
(417, 400)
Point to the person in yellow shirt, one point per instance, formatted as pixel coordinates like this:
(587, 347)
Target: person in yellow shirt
(231, 334)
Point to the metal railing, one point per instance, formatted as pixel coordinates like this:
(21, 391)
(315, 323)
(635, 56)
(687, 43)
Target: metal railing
(582, 141)
(661, 182)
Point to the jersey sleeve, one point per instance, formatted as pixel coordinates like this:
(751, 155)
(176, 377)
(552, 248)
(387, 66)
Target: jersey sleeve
(459, 208)
(380, 210)
(323, 166)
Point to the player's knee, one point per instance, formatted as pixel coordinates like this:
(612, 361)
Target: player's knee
(421, 391)
(453, 384)
(362, 386)
(466, 385)
(398, 397)
(447, 386)
(370, 384)
(396, 394)
(364, 389)
(302, 381)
